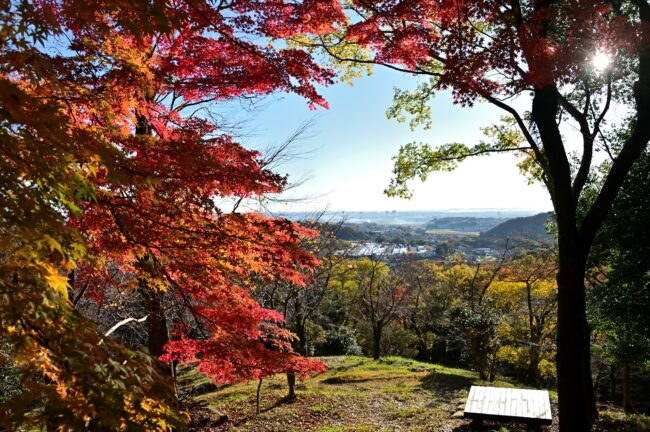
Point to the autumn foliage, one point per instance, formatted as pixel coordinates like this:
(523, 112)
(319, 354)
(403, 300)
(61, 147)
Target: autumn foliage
(112, 159)
(544, 52)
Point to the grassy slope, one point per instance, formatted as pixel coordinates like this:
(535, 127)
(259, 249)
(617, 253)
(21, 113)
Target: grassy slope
(355, 394)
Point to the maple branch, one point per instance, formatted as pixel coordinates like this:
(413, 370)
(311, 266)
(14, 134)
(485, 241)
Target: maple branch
(235, 41)
(588, 146)
(80, 294)
(120, 324)
(158, 221)
(485, 151)
(606, 146)
(186, 302)
(188, 104)
(417, 71)
(520, 122)
(275, 155)
(608, 100)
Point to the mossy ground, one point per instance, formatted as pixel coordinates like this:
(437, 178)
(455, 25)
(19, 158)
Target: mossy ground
(358, 394)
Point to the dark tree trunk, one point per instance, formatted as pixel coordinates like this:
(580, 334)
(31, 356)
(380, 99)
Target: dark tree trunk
(156, 320)
(422, 346)
(424, 353)
(376, 341)
(577, 404)
(258, 396)
(300, 328)
(575, 385)
(302, 345)
(612, 382)
(291, 381)
(533, 367)
(151, 296)
(627, 401)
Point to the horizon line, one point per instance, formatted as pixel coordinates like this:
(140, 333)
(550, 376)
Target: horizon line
(466, 209)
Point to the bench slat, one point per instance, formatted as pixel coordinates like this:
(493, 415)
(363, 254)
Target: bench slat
(532, 406)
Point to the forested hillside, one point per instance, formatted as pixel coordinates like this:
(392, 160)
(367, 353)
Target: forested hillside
(533, 227)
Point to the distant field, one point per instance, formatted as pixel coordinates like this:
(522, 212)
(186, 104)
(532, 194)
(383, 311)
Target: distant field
(435, 231)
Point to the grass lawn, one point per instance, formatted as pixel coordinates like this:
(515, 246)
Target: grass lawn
(358, 394)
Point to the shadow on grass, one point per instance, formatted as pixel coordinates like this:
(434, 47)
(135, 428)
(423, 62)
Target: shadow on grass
(445, 385)
(286, 400)
(500, 426)
(490, 427)
(470, 427)
(347, 380)
(346, 368)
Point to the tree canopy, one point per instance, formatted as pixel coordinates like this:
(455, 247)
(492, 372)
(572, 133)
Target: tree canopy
(114, 162)
(498, 52)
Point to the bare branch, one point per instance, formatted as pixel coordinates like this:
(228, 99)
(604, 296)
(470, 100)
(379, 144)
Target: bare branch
(120, 324)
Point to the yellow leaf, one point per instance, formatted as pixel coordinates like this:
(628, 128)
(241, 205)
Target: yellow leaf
(57, 282)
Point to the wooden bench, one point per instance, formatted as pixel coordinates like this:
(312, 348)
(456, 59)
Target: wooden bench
(507, 404)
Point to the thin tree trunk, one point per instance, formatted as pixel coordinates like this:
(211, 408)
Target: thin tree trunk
(627, 401)
(302, 344)
(172, 368)
(612, 382)
(493, 366)
(534, 339)
(257, 400)
(376, 342)
(291, 380)
(300, 327)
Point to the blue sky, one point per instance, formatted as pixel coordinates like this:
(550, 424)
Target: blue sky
(347, 154)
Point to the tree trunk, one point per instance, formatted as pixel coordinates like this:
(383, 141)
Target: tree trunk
(376, 341)
(152, 297)
(291, 381)
(493, 365)
(152, 302)
(422, 347)
(257, 399)
(156, 320)
(302, 345)
(424, 353)
(612, 382)
(627, 401)
(533, 367)
(300, 328)
(577, 404)
(575, 386)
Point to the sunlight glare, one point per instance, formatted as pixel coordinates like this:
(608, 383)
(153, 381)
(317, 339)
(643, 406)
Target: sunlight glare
(601, 61)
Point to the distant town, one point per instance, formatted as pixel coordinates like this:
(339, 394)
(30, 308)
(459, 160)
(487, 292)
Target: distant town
(476, 236)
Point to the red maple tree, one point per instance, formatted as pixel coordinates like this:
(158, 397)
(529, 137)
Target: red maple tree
(160, 223)
(109, 113)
